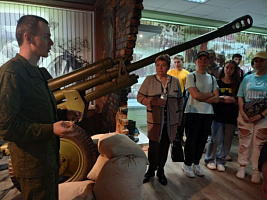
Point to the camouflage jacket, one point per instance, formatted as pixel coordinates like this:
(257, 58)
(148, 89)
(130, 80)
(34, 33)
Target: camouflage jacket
(27, 113)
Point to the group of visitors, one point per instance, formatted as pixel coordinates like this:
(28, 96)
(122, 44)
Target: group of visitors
(219, 99)
(30, 121)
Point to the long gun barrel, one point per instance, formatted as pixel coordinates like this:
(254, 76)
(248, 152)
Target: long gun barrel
(82, 73)
(237, 25)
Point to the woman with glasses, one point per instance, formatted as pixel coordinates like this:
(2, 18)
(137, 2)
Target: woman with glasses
(225, 115)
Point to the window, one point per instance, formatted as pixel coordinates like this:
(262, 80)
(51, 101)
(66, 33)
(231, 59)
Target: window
(71, 31)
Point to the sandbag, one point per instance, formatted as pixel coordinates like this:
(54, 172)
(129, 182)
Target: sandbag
(100, 162)
(121, 178)
(79, 190)
(112, 145)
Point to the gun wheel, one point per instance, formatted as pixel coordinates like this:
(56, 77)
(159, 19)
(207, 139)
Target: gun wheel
(12, 175)
(78, 155)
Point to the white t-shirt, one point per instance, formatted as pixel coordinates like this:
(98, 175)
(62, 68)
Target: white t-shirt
(204, 84)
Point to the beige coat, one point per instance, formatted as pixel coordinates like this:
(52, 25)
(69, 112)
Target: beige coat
(151, 89)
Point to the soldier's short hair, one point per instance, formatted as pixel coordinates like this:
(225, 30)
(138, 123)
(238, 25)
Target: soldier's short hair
(28, 24)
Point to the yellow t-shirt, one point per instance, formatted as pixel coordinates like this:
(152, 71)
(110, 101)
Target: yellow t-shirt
(181, 75)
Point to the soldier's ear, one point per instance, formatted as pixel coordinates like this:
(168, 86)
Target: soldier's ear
(29, 38)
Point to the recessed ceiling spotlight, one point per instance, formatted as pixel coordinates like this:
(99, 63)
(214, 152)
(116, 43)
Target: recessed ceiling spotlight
(197, 1)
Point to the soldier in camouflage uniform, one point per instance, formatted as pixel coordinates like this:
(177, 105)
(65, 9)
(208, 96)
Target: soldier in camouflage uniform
(29, 118)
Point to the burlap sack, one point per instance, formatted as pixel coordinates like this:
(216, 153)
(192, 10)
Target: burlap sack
(112, 145)
(100, 162)
(121, 178)
(79, 190)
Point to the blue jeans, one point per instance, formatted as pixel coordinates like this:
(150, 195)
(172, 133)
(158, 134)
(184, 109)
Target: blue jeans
(220, 142)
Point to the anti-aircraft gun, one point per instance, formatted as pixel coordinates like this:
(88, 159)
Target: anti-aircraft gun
(79, 154)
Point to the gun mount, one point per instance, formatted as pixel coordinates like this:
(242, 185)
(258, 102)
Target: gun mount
(122, 73)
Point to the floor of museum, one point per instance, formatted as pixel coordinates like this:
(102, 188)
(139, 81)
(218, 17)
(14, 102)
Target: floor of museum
(213, 186)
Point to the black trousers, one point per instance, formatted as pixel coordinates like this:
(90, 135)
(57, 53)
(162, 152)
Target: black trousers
(180, 129)
(197, 130)
(158, 151)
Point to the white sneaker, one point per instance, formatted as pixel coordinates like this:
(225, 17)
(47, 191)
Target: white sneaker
(188, 171)
(198, 171)
(211, 165)
(220, 168)
(256, 177)
(241, 173)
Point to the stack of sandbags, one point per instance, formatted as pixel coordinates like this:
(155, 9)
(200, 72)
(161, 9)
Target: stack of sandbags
(119, 170)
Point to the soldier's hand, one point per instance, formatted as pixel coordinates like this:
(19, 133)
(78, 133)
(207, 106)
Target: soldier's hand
(74, 115)
(62, 128)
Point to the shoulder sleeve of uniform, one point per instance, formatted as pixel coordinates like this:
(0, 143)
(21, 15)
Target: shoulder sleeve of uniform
(12, 66)
(13, 127)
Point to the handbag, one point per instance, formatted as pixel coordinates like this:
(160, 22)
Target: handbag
(255, 107)
(177, 152)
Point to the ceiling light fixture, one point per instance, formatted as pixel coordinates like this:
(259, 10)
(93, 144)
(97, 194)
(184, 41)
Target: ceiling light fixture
(197, 1)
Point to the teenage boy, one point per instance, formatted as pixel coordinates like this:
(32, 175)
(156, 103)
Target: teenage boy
(238, 58)
(213, 67)
(180, 73)
(220, 59)
(203, 91)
